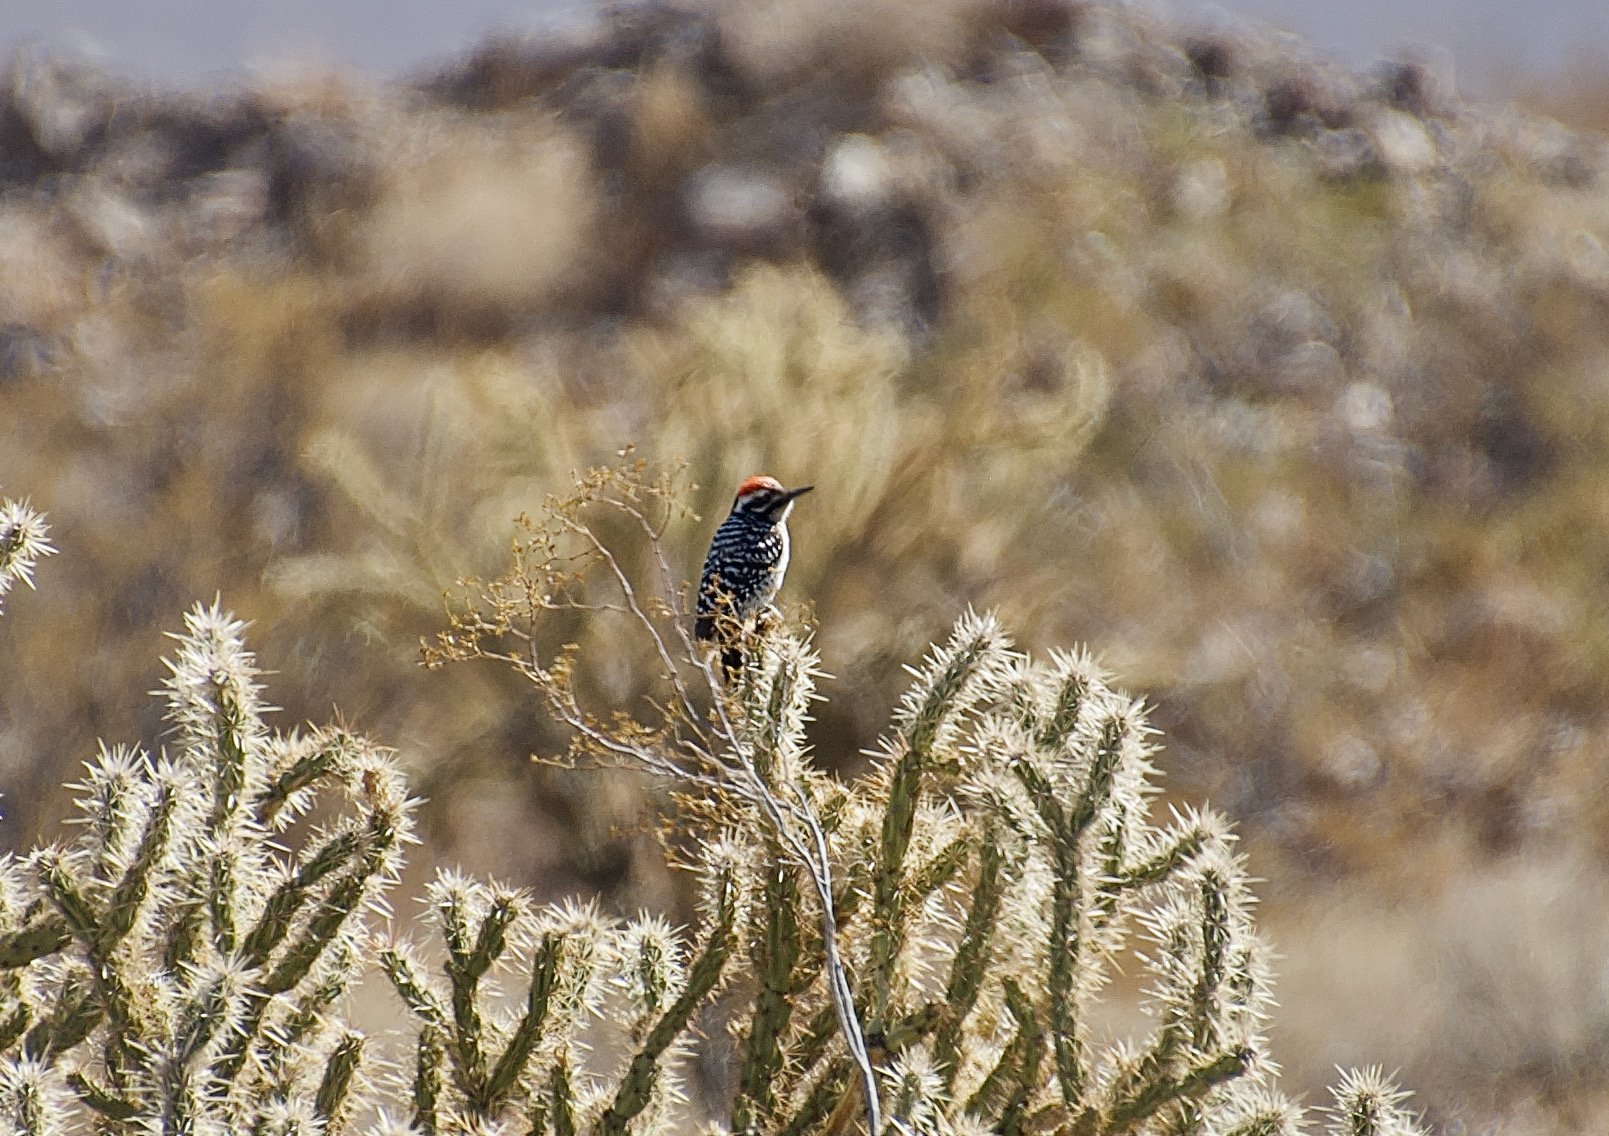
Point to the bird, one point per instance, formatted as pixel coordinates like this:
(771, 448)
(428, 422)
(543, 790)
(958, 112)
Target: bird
(745, 564)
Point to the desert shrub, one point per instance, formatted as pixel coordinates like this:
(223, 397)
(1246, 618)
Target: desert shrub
(924, 950)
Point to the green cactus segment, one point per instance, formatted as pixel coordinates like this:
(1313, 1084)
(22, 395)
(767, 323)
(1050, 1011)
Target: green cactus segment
(775, 954)
(638, 1084)
(516, 1057)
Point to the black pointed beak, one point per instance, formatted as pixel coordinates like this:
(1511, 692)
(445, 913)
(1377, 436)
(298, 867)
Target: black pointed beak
(799, 492)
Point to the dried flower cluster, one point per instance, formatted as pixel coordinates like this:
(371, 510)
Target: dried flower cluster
(924, 950)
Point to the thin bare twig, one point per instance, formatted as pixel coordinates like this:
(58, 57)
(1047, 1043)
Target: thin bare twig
(699, 742)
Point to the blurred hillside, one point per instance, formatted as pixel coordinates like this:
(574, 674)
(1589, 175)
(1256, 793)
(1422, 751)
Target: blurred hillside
(1286, 389)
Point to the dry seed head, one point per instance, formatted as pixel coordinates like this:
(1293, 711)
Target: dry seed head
(282, 1117)
(951, 681)
(457, 898)
(730, 871)
(1256, 1110)
(777, 706)
(15, 887)
(24, 541)
(914, 1092)
(387, 1125)
(990, 782)
(649, 968)
(285, 753)
(1023, 929)
(963, 1123)
(1135, 780)
(33, 1101)
(212, 682)
(113, 797)
(1063, 687)
(589, 940)
(1369, 1103)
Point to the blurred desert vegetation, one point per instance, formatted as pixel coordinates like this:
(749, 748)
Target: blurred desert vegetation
(1282, 387)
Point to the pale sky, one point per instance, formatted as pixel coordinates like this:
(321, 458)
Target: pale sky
(1494, 44)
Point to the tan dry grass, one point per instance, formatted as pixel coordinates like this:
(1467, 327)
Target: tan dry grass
(482, 214)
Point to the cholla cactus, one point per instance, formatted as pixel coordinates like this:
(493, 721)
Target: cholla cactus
(482, 1059)
(921, 951)
(175, 968)
(23, 543)
(1368, 1104)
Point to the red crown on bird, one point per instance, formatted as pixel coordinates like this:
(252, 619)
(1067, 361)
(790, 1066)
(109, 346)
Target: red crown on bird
(757, 482)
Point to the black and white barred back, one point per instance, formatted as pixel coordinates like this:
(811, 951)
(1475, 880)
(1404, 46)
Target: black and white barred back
(748, 556)
(744, 569)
